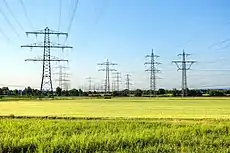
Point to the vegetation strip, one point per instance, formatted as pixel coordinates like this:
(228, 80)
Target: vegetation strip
(39, 135)
(109, 118)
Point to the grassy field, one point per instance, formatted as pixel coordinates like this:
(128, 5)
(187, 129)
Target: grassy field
(164, 135)
(171, 125)
(142, 107)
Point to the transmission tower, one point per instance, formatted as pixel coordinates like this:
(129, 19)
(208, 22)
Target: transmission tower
(63, 77)
(107, 69)
(46, 81)
(117, 80)
(90, 79)
(102, 85)
(128, 83)
(113, 86)
(184, 68)
(66, 81)
(153, 70)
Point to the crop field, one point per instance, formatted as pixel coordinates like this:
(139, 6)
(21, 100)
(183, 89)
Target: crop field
(124, 107)
(125, 125)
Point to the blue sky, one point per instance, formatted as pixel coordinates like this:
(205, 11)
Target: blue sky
(124, 32)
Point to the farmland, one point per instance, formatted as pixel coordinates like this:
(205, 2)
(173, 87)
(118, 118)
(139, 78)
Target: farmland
(126, 125)
(124, 107)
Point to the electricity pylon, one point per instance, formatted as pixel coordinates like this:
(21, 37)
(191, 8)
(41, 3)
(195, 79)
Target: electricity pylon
(184, 70)
(46, 81)
(90, 79)
(153, 70)
(113, 86)
(62, 77)
(128, 83)
(107, 69)
(117, 81)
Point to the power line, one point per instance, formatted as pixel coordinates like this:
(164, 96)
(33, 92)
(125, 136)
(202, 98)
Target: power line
(184, 70)
(4, 35)
(219, 43)
(60, 12)
(73, 15)
(8, 21)
(107, 69)
(25, 12)
(12, 14)
(117, 80)
(46, 83)
(102, 12)
(153, 70)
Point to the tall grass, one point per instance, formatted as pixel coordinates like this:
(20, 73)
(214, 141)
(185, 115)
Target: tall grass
(37, 135)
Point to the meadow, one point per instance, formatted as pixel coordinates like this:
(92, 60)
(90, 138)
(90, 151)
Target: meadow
(164, 135)
(125, 125)
(121, 107)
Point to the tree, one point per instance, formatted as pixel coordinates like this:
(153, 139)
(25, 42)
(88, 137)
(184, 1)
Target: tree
(58, 91)
(74, 92)
(65, 93)
(1, 91)
(195, 93)
(16, 93)
(116, 93)
(80, 92)
(218, 93)
(85, 94)
(161, 91)
(125, 93)
(175, 92)
(29, 91)
(138, 93)
(5, 90)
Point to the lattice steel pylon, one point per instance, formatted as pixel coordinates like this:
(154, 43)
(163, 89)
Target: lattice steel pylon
(90, 80)
(184, 70)
(117, 81)
(107, 69)
(153, 70)
(128, 83)
(63, 80)
(46, 81)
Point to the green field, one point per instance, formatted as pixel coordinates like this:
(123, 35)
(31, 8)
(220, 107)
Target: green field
(35, 135)
(144, 108)
(144, 125)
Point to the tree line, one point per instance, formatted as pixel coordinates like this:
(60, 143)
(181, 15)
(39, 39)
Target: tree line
(30, 92)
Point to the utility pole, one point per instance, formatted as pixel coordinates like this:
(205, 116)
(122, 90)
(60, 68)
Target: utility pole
(184, 70)
(117, 80)
(153, 70)
(128, 83)
(46, 80)
(107, 69)
(90, 79)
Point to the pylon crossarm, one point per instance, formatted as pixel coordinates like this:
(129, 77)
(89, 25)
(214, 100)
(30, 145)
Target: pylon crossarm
(40, 45)
(102, 70)
(50, 32)
(179, 68)
(112, 70)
